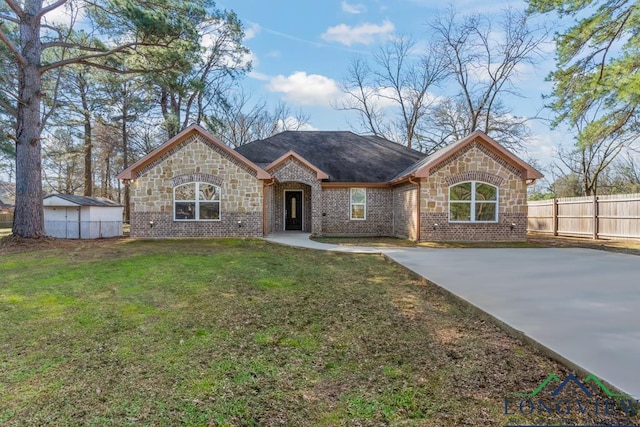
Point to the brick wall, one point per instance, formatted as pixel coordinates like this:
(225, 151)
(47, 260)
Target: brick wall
(473, 232)
(165, 226)
(277, 207)
(336, 213)
(474, 163)
(195, 159)
(405, 205)
(269, 217)
(294, 175)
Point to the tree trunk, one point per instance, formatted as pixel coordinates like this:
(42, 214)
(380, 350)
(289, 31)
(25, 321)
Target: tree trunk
(28, 218)
(88, 143)
(125, 155)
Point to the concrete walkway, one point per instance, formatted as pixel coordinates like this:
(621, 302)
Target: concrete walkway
(584, 304)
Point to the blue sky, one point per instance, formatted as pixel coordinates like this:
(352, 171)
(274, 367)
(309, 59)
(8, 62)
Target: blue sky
(301, 51)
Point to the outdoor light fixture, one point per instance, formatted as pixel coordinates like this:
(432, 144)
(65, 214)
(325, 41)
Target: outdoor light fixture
(151, 224)
(513, 225)
(239, 223)
(435, 226)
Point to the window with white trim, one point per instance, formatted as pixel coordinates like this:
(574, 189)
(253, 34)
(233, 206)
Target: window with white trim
(473, 201)
(196, 201)
(358, 203)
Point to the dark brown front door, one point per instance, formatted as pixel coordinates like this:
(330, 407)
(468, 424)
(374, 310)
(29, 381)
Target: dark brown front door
(293, 210)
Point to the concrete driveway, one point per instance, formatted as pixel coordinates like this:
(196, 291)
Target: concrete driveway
(584, 304)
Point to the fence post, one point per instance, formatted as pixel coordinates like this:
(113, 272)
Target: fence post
(595, 217)
(555, 217)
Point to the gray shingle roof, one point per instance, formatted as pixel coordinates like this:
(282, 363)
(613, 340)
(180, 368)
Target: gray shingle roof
(344, 156)
(86, 201)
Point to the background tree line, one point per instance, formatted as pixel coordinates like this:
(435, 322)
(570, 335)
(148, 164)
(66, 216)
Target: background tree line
(87, 94)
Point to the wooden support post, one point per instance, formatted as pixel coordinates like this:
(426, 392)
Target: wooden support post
(595, 217)
(555, 217)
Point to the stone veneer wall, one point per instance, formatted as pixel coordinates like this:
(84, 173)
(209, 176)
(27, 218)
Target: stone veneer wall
(474, 163)
(196, 159)
(293, 175)
(336, 213)
(405, 211)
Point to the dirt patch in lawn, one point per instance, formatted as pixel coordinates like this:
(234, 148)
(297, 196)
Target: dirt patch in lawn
(631, 247)
(14, 244)
(244, 332)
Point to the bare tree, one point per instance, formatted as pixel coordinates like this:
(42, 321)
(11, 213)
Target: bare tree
(239, 120)
(591, 162)
(483, 60)
(63, 162)
(627, 173)
(398, 78)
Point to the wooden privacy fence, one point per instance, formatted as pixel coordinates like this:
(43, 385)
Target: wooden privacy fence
(610, 217)
(6, 220)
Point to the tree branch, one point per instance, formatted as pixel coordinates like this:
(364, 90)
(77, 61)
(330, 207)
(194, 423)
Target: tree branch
(8, 107)
(86, 59)
(15, 7)
(12, 48)
(49, 8)
(69, 45)
(9, 18)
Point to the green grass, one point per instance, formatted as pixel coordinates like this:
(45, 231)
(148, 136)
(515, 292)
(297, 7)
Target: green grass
(241, 332)
(397, 242)
(366, 241)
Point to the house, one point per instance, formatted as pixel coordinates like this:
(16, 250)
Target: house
(7, 197)
(81, 217)
(329, 183)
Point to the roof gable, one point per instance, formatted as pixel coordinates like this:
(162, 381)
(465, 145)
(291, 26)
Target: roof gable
(293, 155)
(130, 172)
(422, 169)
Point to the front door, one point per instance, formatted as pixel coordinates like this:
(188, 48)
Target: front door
(293, 210)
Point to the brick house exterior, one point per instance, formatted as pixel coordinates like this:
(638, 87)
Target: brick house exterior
(329, 183)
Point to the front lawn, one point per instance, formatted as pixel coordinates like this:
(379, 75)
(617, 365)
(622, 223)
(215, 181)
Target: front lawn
(231, 332)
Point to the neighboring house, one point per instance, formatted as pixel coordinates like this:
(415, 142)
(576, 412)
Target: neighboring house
(7, 198)
(329, 183)
(81, 217)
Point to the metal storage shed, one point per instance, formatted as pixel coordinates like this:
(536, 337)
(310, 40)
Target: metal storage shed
(81, 217)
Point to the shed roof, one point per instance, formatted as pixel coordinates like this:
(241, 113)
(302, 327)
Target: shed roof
(85, 200)
(342, 155)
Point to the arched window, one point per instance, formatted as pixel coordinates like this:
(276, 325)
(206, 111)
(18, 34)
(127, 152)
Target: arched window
(196, 201)
(473, 201)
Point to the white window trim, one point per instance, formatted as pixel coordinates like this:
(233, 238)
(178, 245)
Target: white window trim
(472, 202)
(284, 213)
(351, 204)
(197, 203)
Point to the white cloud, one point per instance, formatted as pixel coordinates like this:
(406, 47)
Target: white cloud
(361, 34)
(354, 9)
(293, 123)
(65, 15)
(305, 89)
(258, 76)
(252, 31)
